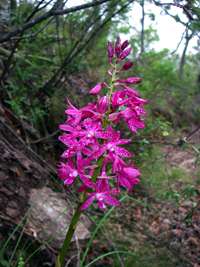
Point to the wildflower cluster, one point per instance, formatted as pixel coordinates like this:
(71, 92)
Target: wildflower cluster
(95, 157)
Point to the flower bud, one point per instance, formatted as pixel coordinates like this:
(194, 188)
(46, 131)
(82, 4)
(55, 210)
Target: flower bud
(131, 172)
(124, 44)
(110, 51)
(127, 65)
(103, 104)
(130, 80)
(97, 88)
(118, 46)
(125, 53)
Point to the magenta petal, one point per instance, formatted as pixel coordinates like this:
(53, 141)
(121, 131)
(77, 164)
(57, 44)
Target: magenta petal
(72, 112)
(125, 182)
(133, 80)
(122, 152)
(115, 117)
(88, 202)
(125, 53)
(123, 141)
(89, 183)
(136, 123)
(101, 205)
(132, 128)
(118, 164)
(140, 111)
(102, 183)
(131, 91)
(69, 181)
(97, 88)
(66, 127)
(103, 135)
(111, 201)
(68, 154)
(64, 139)
(128, 113)
(134, 181)
(140, 100)
(82, 188)
(62, 171)
(98, 153)
(130, 80)
(132, 172)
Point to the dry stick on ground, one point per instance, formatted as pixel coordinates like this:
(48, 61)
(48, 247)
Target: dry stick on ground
(47, 15)
(192, 133)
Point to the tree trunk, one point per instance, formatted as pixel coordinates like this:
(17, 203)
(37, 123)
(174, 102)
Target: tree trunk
(183, 56)
(142, 28)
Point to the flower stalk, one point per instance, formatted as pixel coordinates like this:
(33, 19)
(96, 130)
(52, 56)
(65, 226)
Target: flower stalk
(60, 260)
(95, 159)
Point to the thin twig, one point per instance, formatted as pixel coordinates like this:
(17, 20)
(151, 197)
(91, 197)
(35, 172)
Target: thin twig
(92, 35)
(45, 138)
(47, 15)
(179, 43)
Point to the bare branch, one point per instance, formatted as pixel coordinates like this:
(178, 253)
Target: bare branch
(184, 7)
(142, 28)
(8, 62)
(47, 15)
(78, 49)
(179, 43)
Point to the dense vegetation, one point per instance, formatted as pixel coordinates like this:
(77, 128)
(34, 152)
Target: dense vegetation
(48, 53)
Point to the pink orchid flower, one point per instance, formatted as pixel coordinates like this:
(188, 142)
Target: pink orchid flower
(102, 196)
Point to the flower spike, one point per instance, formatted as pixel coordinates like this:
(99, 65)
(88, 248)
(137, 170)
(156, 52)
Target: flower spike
(96, 156)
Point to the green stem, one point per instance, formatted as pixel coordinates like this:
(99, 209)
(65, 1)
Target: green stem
(60, 260)
(112, 81)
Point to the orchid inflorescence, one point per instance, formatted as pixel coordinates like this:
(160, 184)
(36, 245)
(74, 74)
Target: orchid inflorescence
(94, 155)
